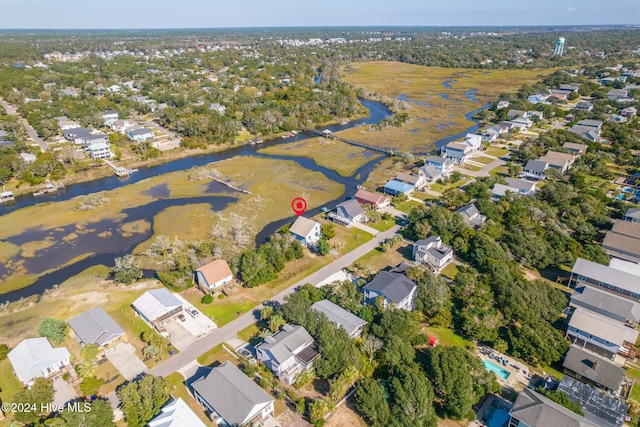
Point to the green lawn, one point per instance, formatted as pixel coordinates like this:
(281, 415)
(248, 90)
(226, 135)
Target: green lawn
(496, 151)
(9, 383)
(179, 389)
(407, 206)
(483, 160)
(633, 373)
(450, 271)
(216, 354)
(383, 224)
(354, 238)
(250, 332)
(448, 337)
(440, 188)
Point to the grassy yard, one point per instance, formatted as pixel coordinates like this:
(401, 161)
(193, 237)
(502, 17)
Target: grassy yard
(383, 224)
(407, 206)
(483, 160)
(500, 170)
(441, 188)
(179, 390)
(448, 338)
(247, 334)
(216, 354)
(377, 259)
(330, 153)
(496, 151)
(9, 383)
(450, 271)
(633, 373)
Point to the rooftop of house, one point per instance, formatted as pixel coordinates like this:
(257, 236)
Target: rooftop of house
(283, 344)
(535, 410)
(349, 209)
(437, 160)
(633, 213)
(398, 186)
(154, 303)
(619, 239)
(590, 123)
(370, 196)
(33, 355)
(594, 368)
(500, 190)
(628, 228)
(408, 178)
(394, 286)
(607, 275)
(430, 171)
(574, 147)
(176, 414)
(338, 315)
(601, 409)
(302, 226)
(588, 322)
(215, 271)
(605, 303)
(434, 247)
(469, 210)
(457, 146)
(555, 157)
(521, 184)
(536, 166)
(231, 393)
(95, 327)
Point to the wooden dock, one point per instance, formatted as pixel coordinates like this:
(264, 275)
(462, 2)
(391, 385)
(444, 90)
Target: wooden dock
(242, 190)
(315, 132)
(119, 170)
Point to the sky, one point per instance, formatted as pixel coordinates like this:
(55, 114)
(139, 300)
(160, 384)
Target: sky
(102, 14)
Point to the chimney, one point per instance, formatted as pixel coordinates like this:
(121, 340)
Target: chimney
(595, 364)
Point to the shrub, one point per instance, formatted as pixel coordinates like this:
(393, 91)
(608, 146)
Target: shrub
(207, 299)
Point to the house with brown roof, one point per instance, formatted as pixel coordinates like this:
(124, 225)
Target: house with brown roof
(557, 160)
(576, 149)
(214, 275)
(623, 241)
(374, 200)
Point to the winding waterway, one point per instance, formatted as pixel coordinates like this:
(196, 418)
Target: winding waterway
(113, 243)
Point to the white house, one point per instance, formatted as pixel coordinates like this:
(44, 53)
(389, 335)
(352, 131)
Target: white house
(156, 305)
(99, 151)
(432, 253)
(306, 230)
(472, 216)
(456, 151)
(288, 353)
(139, 134)
(176, 414)
(36, 357)
(110, 116)
(442, 165)
(396, 290)
(214, 275)
(535, 169)
(474, 141)
(28, 158)
(347, 213)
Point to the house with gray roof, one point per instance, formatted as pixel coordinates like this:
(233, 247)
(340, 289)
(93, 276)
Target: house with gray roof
(288, 353)
(623, 241)
(596, 124)
(231, 398)
(472, 216)
(430, 173)
(347, 213)
(96, 327)
(588, 132)
(84, 137)
(600, 334)
(532, 409)
(443, 165)
(432, 253)
(396, 290)
(593, 370)
(418, 181)
(306, 231)
(601, 409)
(524, 187)
(456, 151)
(606, 304)
(632, 215)
(608, 279)
(340, 317)
(534, 169)
(157, 305)
(176, 414)
(139, 134)
(36, 358)
(576, 149)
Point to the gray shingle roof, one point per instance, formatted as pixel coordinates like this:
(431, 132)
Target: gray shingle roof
(231, 393)
(590, 323)
(520, 184)
(535, 410)
(349, 209)
(605, 303)
(606, 275)
(282, 345)
(302, 226)
(95, 327)
(394, 286)
(536, 166)
(633, 213)
(338, 315)
(594, 368)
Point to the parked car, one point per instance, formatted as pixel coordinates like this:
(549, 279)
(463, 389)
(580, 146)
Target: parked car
(192, 311)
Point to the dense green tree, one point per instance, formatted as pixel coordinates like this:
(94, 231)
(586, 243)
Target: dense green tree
(452, 381)
(99, 413)
(412, 399)
(37, 398)
(142, 399)
(53, 329)
(372, 402)
(91, 385)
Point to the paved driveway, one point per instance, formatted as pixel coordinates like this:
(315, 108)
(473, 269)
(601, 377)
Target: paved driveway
(124, 358)
(178, 335)
(64, 391)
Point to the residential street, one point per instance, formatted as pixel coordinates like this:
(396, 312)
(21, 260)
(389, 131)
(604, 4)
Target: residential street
(230, 330)
(30, 131)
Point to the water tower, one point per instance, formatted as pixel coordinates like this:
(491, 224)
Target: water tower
(559, 47)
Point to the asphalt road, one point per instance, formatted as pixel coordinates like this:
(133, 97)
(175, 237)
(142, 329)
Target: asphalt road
(230, 330)
(11, 110)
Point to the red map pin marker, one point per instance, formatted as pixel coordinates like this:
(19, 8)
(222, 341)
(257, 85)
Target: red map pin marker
(299, 205)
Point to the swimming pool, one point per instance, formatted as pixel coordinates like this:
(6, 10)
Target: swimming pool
(496, 369)
(499, 418)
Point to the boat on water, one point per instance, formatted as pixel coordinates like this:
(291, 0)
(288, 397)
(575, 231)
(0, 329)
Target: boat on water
(6, 196)
(294, 132)
(287, 135)
(255, 141)
(344, 122)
